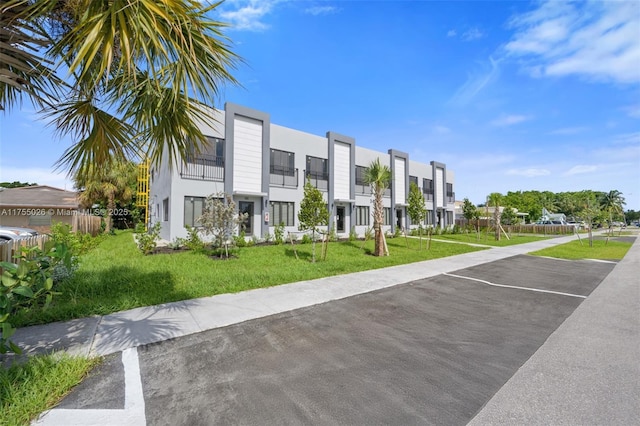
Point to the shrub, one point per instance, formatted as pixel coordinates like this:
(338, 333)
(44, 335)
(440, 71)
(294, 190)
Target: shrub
(278, 233)
(193, 241)
(333, 237)
(147, 241)
(306, 239)
(268, 237)
(177, 243)
(28, 284)
(240, 239)
(352, 234)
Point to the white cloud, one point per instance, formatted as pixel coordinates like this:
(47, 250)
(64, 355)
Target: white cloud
(581, 169)
(595, 40)
(247, 14)
(452, 33)
(321, 10)
(476, 83)
(569, 131)
(509, 120)
(528, 172)
(472, 34)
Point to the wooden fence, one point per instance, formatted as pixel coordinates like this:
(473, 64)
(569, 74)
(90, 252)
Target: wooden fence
(11, 248)
(530, 228)
(87, 224)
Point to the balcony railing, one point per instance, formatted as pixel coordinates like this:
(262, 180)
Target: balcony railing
(428, 193)
(451, 197)
(363, 189)
(203, 167)
(284, 177)
(319, 180)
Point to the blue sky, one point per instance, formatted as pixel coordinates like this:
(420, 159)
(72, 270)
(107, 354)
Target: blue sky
(510, 95)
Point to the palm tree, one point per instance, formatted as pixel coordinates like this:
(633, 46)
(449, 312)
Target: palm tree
(137, 73)
(494, 200)
(379, 177)
(611, 203)
(107, 186)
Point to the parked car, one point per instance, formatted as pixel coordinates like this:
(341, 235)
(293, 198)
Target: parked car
(8, 233)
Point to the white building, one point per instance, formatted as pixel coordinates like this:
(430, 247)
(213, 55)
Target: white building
(264, 167)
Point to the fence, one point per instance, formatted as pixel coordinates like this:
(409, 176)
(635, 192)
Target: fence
(521, 229)
(86, 224)
(11, 248)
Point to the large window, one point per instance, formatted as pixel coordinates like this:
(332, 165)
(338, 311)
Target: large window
(362, 187)
(362, 216)
(216, 148)
(413, 179)
(451, 196)
(387, 216)
(429, 218)
(281, 212)
(427, 188)
(282, 162)
(193, 207)
(317, 168)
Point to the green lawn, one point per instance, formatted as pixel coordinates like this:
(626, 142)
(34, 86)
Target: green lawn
(490, 240)
(115, 276)
(613, 250)
(28, 389)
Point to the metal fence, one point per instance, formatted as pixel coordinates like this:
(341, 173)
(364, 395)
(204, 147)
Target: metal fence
(203, 167)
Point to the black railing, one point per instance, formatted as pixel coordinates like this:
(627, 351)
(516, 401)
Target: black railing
(451, 197)
(362, 189)
(280, 176)
(203, 167)
(319, 180)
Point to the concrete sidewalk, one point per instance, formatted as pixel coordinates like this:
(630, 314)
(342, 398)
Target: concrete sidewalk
(121, 330)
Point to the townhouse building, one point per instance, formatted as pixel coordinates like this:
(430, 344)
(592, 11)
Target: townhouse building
(264, 167)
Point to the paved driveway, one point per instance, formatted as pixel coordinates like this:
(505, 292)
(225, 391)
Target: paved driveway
(433, 351)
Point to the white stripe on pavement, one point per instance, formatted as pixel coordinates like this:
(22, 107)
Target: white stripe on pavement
(537, 290)
(133, 413)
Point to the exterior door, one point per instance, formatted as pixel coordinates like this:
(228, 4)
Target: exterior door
(247, 207)
(340, 218)
(399, 219)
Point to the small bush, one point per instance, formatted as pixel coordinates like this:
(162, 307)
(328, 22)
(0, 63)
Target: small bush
(306, 239)
(240, 239)
(177, 243)
(268, 237)
(333, 237)
(193, 240)
(147, 241)
(278, 233)
(352, 234)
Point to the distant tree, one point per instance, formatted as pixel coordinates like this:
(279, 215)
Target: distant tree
(313, 213)
(470, 212)
(379, 177)
(106, 186)
(16, 184)
(631, 216)
(220, 219)
(508, 216)
(590, 210)
(416, 208)
(494, 200)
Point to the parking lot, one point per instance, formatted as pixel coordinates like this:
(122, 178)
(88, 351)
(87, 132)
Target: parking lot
(433, 351)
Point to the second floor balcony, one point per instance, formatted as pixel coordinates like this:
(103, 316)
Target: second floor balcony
(283, 176)
(318, 179)
(203, 167)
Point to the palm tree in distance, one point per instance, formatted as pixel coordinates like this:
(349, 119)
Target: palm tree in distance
(612, 202)
(494, 200)
(379, 177)
(107, 186)
(121, 78)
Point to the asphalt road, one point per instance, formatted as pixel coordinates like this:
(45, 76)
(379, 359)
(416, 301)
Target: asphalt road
(433, 351)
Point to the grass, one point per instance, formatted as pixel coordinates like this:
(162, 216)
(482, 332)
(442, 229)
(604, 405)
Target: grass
(613, 250)
(490, 240)
(27, 389)
(115, 276)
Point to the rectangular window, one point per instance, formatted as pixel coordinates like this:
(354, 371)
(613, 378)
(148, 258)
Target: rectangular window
(360, 172)
(362, 215)
(429, 219)
(387, 216)
(165, 210)
(282, 163)
(450, 194)
(413, 179)
(216, 147)
(317, 168)
(193, 207)
(281, 212)
(427, 188)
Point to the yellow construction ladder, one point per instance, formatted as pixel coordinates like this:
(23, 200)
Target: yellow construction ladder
(142, 196)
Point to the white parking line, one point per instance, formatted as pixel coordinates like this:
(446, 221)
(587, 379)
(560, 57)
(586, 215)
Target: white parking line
(133, 413)
(537, 290)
